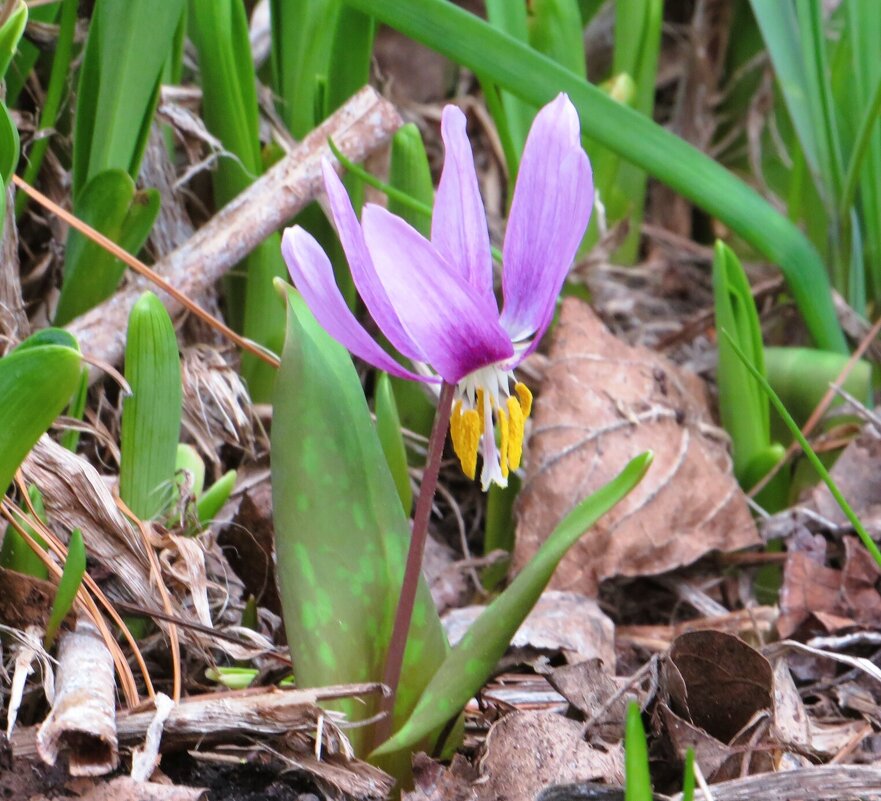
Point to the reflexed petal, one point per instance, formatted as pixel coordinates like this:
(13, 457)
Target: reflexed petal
(312, 274)
(363, 273)
(549, 214)
(458, 225)
(456, 327)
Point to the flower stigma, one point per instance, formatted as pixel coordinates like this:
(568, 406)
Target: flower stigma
(483, 401)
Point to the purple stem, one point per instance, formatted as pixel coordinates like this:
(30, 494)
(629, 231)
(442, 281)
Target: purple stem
(403, 614)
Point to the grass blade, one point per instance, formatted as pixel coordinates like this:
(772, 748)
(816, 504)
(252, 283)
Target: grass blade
(637, 780)
(68, 586)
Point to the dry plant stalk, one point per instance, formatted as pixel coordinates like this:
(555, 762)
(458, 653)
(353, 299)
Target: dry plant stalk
(362, 125)
(83, 716)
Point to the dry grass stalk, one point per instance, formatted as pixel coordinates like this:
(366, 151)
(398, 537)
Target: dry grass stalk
(83, 716)
(13, 515)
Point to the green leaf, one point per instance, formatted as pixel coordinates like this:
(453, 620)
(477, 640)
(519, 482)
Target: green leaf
(36, 382)
(302, 32)
(388, 428)
(9, 144)
(688, 776)
(68, 586)
(151, 414)
(77, 410)
(26, 54)
(637, 781)
(555, 29)
(470, 41)
(10, 34)
(499, 529)
(410, 173)
(349, 57)
(742, 404)
(55, 93)
(111, 204)
(210, 502)
(341, 536)
(189, 475)
(510, 18)
(474, 658)
(128, 45)
(801, 377)
(16, 554)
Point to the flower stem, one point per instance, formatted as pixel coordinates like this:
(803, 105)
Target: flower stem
(404, 613)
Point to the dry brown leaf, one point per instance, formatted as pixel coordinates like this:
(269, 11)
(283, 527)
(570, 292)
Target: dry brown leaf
(791, 723)
(560, 622)
(526, 751)
(602, 403)
(837, 599)
(26, 600)
(856, 474)
(725, 681)
(591, 688)
(718, 700)
(434, 782)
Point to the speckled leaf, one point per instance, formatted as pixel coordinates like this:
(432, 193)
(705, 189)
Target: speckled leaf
(341, 535)
(473, 659)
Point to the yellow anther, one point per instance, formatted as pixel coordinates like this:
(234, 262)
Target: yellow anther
(525, 397)
(504, 440)
(479, 406)
(471, 430)
(515, 437)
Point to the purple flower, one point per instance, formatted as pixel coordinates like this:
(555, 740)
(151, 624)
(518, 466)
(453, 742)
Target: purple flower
(434, 300)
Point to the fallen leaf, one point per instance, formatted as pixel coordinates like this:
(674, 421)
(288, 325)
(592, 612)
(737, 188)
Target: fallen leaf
(603, 402)
(856, 475)
(591, 688)
(434, 782)
(526, 751)
(836, 599)
(559, 622)
(726, 681)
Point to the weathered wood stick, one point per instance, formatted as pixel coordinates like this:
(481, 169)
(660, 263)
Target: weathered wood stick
(82, 720)
(222, 716)
(361, 126)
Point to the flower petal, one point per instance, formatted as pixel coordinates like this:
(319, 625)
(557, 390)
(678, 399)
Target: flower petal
(549, 214)
(363, 273)
(312, 274)
(458, 224)
(455, 326)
